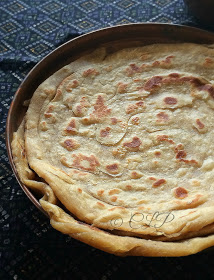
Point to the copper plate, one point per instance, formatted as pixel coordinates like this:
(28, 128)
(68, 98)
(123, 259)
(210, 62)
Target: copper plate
(117, 37)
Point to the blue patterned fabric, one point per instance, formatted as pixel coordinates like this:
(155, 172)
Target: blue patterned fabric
(29, 247)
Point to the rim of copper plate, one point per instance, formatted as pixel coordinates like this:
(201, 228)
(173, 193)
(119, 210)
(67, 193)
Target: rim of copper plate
(123, 35)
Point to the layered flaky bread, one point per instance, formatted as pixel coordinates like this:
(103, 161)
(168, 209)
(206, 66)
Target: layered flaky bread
(124, 141)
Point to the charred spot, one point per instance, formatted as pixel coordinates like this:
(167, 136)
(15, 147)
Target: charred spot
(90, 72)
(179, 147)
(200, 124)
(181, 193)
(70, 144)
(174, 75)
(152, 178)
(140, 103)
(71, 85)
(208, 61)
(105, 132)
(181, 154)
(208, 88)
(162, 116)
(100, 109)
(79, 159)
(135, 175)
(113, 168)
(169, 58)
(114, 191)
(135, 120)
(170, 100)
(114, 120)
(135, 143)
(100, 192)
(113, 198)
(191, 161)
(121, 87)
(159, 183)
(153, 83)
(71, 128)
(131, 108)
(165, 138)
(157, 153)
(49, 111)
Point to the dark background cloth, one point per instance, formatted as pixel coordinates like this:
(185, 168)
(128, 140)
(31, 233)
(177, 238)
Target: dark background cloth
(29, 247)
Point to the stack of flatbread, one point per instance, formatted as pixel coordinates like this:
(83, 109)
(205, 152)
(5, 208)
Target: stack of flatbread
(121, 147)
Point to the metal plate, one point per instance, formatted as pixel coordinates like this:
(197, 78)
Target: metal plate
(113, 38)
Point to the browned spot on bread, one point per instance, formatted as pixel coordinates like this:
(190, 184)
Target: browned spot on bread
(181, 154)
(140, 103)
(137, 80)
(134, 144)
(100, 204)
(165, 138)
(100, 192)
(170, 100)
(200, 124)
(168, 59)
(162, 117)
(180, 193)
(152, 83)
(174, 75)
(179, 147)
(208, 88)
(72, 84)
(100, 109)
(113, 168)
(70, 144)
(80, 107)
(131, 108)
(157, 153)
(79, 190)
(117, 207)
(71, 128)
(191, 161)
(49, 91)
(157, 81)
(121, 87)
(135, 120)
(43, 126)
(48, 112)
(79, 172)
(135, 175)
(132, 69)
(114, 198)
(195, 200)
(159, 183)
(152, 178)
(208, 62)
(141, 202)
(114, 120)
(128, 187)
(105, 132)
(90, 72)
(114, 191)
(84, 162)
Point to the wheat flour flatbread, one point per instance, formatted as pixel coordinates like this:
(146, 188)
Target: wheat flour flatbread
(124, 142)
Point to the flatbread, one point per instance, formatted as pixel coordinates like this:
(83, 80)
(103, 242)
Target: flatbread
(124, 142)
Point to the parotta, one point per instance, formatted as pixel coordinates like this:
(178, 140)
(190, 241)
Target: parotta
(121, 145)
